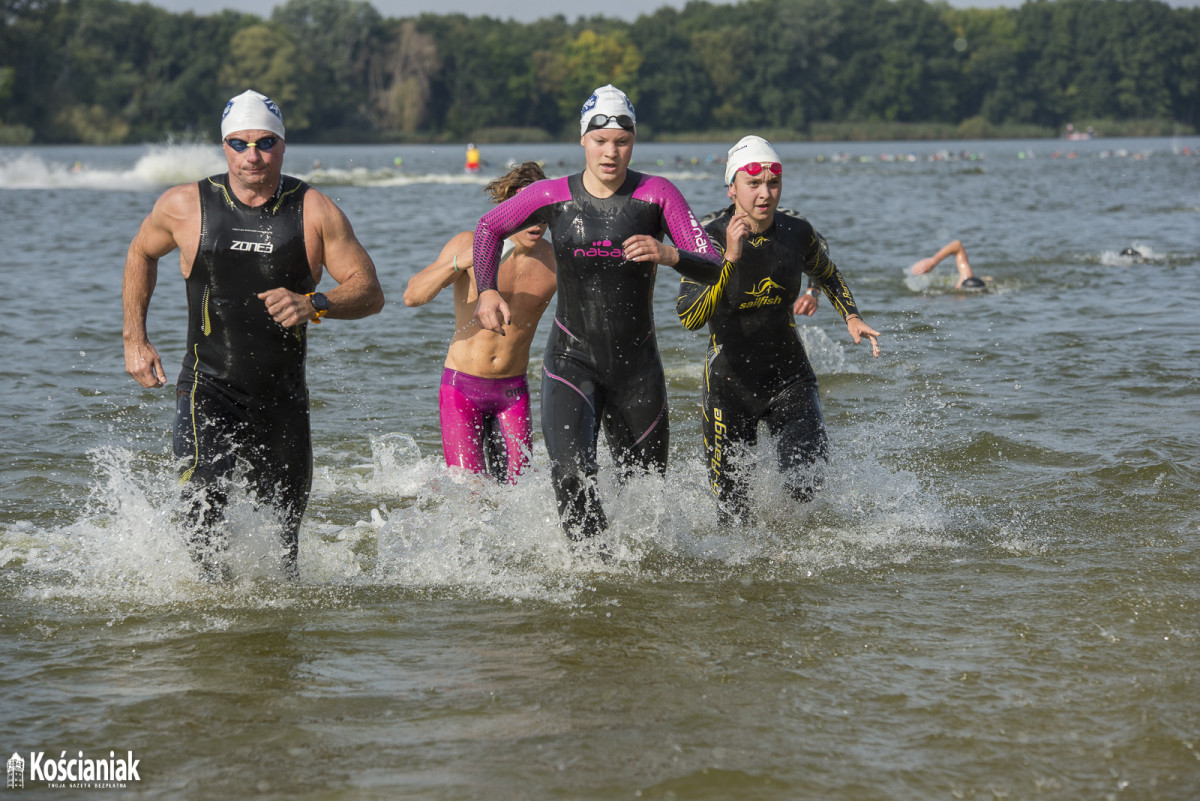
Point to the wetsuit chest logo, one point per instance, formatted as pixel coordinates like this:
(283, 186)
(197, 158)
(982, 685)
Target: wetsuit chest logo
(253, 247)
(763, 294)
(601, 249)
(262, 245)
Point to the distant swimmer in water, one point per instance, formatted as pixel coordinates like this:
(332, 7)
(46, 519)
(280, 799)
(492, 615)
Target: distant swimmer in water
(602, 369)
(1135, 255)
(252, 245)
(484, 398)
(757, 370)
(473, 162)
(967, 280)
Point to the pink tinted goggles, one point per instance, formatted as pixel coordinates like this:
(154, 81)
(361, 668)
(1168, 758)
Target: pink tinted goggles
(757, 167)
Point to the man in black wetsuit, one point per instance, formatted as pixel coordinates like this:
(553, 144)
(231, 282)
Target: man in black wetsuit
(601, 366)
(757, 369)
(252, 245)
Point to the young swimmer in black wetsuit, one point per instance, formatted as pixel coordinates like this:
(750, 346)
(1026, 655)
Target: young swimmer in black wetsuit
(252, 246)
(601, 366)
(757, 369)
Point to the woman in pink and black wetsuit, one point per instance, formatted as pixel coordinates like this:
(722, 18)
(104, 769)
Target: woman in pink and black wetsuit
(601, 366)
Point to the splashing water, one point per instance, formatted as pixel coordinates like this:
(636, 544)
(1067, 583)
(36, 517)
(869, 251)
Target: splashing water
(430, 527)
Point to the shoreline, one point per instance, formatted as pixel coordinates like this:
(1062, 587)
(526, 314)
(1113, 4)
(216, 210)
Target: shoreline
(826, 132)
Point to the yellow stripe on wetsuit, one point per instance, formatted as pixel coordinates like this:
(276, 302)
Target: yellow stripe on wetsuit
(207, 326)
(705, 304)
(278, 200)
(186, 476)
(826, 276)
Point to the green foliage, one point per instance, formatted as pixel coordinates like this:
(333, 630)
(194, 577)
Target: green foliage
(264, 58)
(112, 71)
(11, 134)
(335, 41)
(401, 80)
(682, 91)
(588, 61)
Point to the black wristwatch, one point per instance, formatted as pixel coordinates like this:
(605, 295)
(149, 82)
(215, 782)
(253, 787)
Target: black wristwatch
(320, 303)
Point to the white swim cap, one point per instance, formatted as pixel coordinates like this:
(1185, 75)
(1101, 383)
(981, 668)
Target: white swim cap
(251, 111)
(748, 150)
(609, 101)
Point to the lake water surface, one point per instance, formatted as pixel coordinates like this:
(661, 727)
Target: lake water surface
(995, 598)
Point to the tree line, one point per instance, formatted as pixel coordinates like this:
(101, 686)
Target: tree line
(108, 71)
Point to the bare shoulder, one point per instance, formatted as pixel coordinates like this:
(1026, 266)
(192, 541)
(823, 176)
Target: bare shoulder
(174, 222)
(319, 209)
(458, 248)
(180, 202)
(326, 219)
(460, 241)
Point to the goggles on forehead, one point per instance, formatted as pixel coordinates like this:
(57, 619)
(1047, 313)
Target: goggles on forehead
(264, 144)
(601, 120)
(757, 167)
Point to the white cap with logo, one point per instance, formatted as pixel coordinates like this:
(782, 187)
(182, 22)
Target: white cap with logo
(252, 111)
(748, 150)
(609, 101)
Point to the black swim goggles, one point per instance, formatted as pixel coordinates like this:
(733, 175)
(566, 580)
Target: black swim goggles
(264, 144)
(601, 120)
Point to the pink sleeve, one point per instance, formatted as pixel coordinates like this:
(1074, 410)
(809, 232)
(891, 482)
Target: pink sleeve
(506, 219)
(682, 226)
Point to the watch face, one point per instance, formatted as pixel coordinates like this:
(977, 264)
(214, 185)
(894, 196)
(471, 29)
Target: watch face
(319, 301)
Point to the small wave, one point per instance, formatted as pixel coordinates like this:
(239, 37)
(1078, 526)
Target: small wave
(172, 164)
(178, 164)
(162, 166)
(384, 177)
(1137, 253)
(680, 176)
